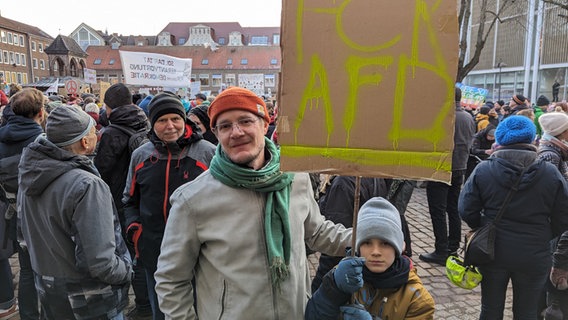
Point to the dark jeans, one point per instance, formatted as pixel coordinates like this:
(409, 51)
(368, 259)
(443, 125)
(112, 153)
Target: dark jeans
(153, 297)
(6, 285)
(27, 294)
(526, 287)
(442, 199)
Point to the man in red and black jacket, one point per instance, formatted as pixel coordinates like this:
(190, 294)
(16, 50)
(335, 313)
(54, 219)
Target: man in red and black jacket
(176, 154)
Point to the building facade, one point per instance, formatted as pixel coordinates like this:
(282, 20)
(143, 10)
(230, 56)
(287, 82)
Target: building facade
(526, 52)
(223, 54)
(22, 52)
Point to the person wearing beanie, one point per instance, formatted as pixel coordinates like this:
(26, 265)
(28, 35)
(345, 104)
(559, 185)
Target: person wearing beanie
(541, 108)
(390, 286)
(122, 120)
(200, 117)
(517, 103)
(443, 198)
(253, 235)
(70, 224)
(175, 154)
(553, 146)
(537, 212)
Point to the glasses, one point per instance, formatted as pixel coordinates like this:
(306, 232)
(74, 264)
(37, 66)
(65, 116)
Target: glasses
(241, 124)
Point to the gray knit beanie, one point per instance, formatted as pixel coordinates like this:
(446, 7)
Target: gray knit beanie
(379, 219)
(67, 125)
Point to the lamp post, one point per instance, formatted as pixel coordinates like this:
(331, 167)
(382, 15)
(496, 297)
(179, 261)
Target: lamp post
(500, 65)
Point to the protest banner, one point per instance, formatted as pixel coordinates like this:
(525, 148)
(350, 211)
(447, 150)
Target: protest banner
(154, 69)
(368, 87)
(472, 97)
(90, 75)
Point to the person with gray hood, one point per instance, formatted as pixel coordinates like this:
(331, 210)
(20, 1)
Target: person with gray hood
(81, 265)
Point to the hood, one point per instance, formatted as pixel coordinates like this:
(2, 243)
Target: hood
(480, 117)
(19, 129)
(509, 161)
(42, 162)
(129, 116)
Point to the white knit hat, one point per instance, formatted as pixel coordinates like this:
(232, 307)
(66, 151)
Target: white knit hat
(553, 123)
(379, 219)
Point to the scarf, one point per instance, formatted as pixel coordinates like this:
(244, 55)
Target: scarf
(394, 277)
(548, 140)
(276, 185)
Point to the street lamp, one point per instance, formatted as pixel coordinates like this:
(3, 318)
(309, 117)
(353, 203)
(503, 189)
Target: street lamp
(500, 65)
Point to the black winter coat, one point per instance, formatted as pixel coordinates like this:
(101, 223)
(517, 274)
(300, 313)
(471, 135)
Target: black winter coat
(537, 212)
(113, 155)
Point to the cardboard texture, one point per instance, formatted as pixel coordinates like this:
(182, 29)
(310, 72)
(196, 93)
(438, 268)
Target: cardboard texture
(368, 87)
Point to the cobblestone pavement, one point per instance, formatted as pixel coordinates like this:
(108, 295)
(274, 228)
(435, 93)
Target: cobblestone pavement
(452, 303)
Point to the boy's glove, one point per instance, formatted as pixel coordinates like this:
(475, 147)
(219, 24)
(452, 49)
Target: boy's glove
(355, 313)
(348, 275)
(559, 278)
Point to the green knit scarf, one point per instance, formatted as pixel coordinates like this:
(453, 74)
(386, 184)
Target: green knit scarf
(276, 185)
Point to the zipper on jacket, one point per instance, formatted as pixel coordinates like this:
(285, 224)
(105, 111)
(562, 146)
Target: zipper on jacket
(223, 297)
(166, 187)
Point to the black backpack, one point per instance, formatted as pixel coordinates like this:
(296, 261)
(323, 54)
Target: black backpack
(135, 138)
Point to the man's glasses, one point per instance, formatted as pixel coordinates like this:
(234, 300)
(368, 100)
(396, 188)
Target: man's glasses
(241, 124)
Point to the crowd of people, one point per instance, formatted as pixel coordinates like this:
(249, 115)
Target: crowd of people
(143, 193)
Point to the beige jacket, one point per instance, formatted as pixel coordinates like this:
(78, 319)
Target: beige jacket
(217, 233)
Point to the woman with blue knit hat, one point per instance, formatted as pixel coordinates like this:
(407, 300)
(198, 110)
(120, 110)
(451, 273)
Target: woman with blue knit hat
(536, 213)
(381, 283)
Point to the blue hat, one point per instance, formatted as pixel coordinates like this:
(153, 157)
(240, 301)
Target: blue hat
(515, 129)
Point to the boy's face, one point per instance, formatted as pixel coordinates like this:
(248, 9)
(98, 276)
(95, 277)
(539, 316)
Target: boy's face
(379, 255)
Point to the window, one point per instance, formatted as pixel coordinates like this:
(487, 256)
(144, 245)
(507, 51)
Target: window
(42, 64)
(19, 77)
(181, 41)
(5, 55)
(21, 41)
(25, 78)
(98, 61)
(56, 66)
(14, 77)
(33, 46)
(259, 41)
(111, 61)
(23, 56)
(244, 61)
(17, 58)
(10, 39)
(12, 58)
(273, 61)
(216, 80)
(1, 57)
(229, 61)
(4, 36)
(204, 79)
(193, 77)
(16, 40)
(230, 79)
(205, 61)
(40, 47)
(276, 39)
(34, 63)
(221, 40)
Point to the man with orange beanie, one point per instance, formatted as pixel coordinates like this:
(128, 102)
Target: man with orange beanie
(241, 227)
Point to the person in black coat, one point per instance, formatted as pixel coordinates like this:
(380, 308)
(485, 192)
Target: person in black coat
(537, 212)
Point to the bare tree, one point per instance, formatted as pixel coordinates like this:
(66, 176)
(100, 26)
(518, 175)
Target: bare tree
(487, 20)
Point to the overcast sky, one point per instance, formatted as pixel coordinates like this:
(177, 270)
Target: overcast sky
(139, 17)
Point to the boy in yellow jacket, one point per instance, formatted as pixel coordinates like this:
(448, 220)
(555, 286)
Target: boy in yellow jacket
(380, 283)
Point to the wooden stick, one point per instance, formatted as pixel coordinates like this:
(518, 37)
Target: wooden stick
(355, 213)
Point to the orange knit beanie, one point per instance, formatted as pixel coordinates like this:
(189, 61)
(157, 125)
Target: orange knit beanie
(236, 98)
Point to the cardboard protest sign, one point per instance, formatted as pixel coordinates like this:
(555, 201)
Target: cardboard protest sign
(154, 69)
(367, 87)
